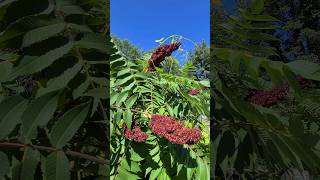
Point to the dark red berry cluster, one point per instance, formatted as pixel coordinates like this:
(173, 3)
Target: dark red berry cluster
(174, 131)
(161, 52)
(271, 97)
(135, 134)
(304, 83)
(268, 97)
(193, 92)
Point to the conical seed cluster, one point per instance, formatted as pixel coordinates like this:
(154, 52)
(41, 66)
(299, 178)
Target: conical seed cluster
(268, 97)
(135, 134)
(271, 97)
(174, 131)
(161, 52)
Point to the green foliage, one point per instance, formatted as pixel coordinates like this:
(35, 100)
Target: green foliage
(251, 141)
(135, 94)
(247, 30)
(63, 46)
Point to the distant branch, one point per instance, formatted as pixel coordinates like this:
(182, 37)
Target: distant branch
(51, 149)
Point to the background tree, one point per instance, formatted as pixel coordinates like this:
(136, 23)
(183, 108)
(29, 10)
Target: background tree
(300, 24)
(127, 48)
(200, 58)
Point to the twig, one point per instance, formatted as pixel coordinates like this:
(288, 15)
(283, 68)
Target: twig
(133, 110)
(51, 149)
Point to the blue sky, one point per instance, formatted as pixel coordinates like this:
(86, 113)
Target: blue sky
(144, 21)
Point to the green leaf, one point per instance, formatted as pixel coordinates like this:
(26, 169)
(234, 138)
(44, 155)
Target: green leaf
(95, 105)
(8, 56)
(31, 65)
(305, 69)
(37, 114)
(100, 93)
(42, 33)
(4, 164)
(81, 28)
(61, 81)
(124, 80)
(57, 166)
(129, 103)
(127, 115)
(7, 2)
(72, 9)
(159, 40)
(94, 41)
(135, 156)
(15, 169)
(123, 72)
(155, 173)
(205, 83)
(257, 6)
(113, 98)
(202, 170)
(66, 126)
(79, 91)
(126, 175)
(11, 110)
(23, 25)
(30, 161)
(122, 97)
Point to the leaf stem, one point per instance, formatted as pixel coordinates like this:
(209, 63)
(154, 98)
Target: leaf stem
(105, 116)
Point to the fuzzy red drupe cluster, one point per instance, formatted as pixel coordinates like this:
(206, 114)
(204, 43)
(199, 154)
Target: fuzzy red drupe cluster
(161, 52)
(304, 83)
(268, 97)
(271, 97)
(135, 134)
(174, 131)
(193, 92)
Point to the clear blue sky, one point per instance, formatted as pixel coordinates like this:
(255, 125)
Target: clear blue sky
(144, 21)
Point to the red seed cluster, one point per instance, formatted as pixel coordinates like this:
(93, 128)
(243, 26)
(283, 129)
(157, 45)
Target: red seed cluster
(271, 97)
(268, 97)
(161, 52)
(135, 134)
(304, 83)
(193, 92)
(174, 131)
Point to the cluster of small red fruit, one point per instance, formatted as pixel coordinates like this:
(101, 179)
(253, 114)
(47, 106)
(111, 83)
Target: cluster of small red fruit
(174, 131)
(159, 55)
(271, 97)
(135, 134)
(193, 92)
(166, 127)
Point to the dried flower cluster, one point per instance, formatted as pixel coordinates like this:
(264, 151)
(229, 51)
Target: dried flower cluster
(161, 52)
(135, 134)
(268, 97)
(174, 131)
(193, 92)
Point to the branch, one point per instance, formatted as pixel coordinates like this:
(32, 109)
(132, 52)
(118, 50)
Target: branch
(50, 149)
